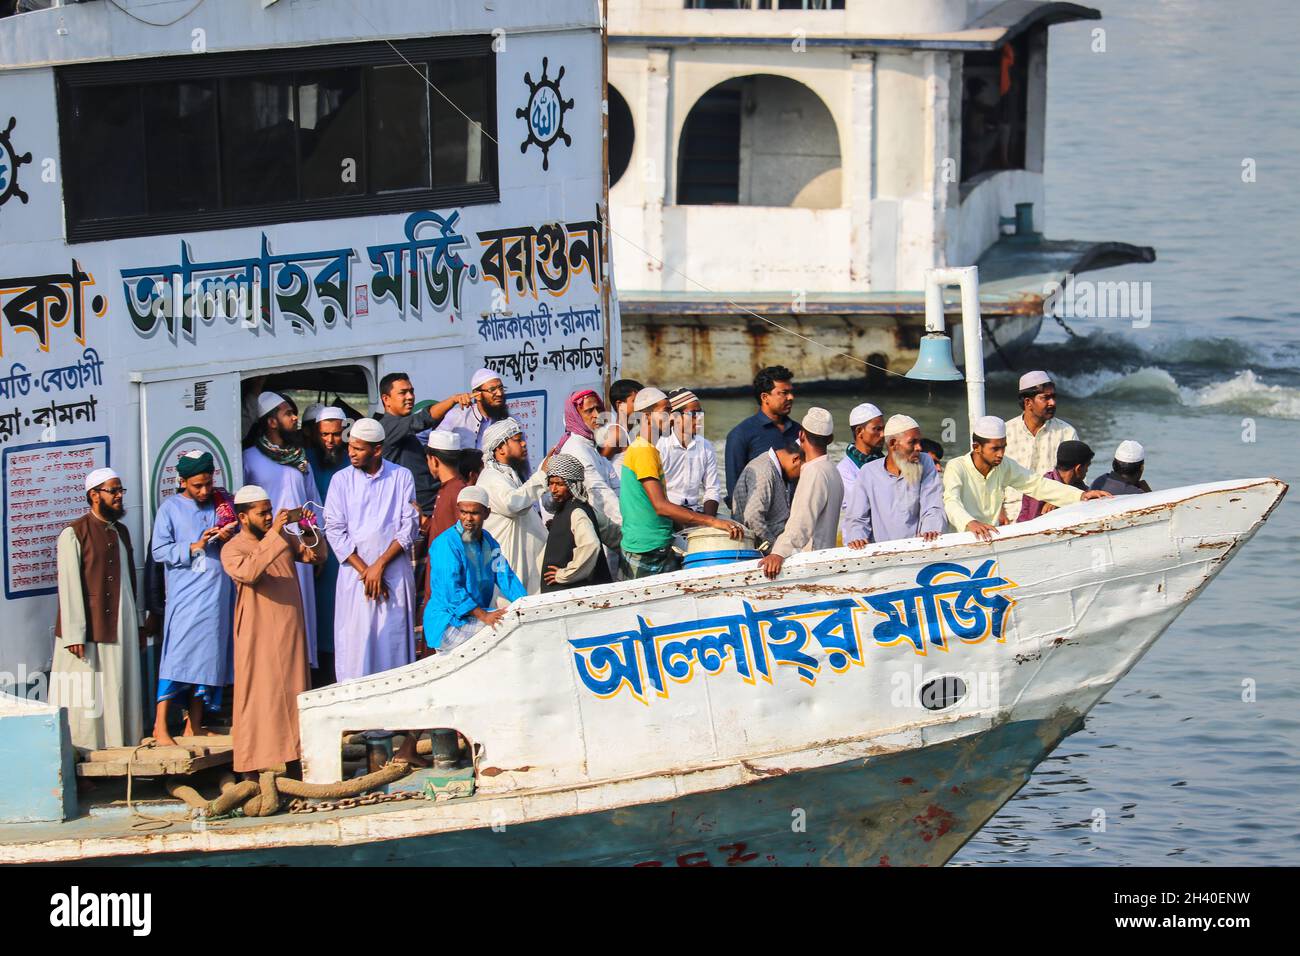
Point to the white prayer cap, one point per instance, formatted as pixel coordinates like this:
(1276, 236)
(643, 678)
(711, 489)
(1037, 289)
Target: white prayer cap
(1034, 379)
(648, 398)
(499, 432)
(312, 412)
(990, 426)
(444, 441)
(482, 377)
(367, 429)
(1130, 451)
(898, 424)
(99, 476)
(818, 421)
(863, 414)
(268, 402)
(249, 494)
(472, 494)
(329, 413)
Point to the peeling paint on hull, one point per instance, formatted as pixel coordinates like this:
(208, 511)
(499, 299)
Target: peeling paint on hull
(915, 808)
(723, 350)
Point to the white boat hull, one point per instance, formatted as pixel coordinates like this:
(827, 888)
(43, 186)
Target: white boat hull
(742, 697)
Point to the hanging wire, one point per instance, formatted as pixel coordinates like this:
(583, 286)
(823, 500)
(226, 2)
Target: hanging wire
(154, 23)
(614, 233)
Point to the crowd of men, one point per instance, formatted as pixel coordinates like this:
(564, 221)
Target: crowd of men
(359, 544)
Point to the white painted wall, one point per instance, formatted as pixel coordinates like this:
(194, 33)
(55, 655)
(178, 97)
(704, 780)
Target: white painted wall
(860, 18)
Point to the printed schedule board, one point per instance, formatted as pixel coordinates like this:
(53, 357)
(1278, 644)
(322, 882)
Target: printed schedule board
(44, 491)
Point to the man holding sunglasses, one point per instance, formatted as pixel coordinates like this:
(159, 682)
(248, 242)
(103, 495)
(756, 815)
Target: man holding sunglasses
(97, 634)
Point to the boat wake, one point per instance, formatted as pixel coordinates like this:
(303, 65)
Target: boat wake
(1219, 374)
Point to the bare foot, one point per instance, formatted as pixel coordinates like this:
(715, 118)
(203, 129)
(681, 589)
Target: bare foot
(201, 732)
(161, 738)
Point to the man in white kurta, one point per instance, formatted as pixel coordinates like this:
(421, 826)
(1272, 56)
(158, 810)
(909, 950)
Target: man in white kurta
(1035, 435)
(371, 521)
(515, 521)
(277, 462)
(96, 675)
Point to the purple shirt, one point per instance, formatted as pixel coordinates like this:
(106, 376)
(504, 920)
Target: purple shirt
(882, 506)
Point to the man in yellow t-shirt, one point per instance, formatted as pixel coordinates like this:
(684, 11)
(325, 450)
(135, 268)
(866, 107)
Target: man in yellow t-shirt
(648, 515)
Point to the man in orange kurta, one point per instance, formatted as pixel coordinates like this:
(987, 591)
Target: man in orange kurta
(270, 637)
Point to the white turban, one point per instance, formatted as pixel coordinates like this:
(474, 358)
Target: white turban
(367, 429)
(473, 495)
(818, 421)
(249, 494)
(898, 424)
(482, 377)
(1034, 379)
(268, 402)
(990, 426)
(99, 476)
(863, 413)
(1130, 452)
(329, 413)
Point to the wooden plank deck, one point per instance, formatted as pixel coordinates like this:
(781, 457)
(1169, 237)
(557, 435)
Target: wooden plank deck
(190, 755)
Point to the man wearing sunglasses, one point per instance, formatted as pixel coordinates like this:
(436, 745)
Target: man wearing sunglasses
(97, 634)
(487, 404)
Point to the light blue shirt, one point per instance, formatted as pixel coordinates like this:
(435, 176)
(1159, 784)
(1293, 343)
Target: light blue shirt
(885, 507)
(200, 595)
(467, 422)
(462, 577)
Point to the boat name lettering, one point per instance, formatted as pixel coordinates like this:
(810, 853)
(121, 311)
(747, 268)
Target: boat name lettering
(948, 600)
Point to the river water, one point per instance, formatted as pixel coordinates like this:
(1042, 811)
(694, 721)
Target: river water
(1146, 144)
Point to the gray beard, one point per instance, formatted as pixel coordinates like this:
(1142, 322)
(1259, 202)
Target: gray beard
(331, 457)
(910, 470)
(471, 537)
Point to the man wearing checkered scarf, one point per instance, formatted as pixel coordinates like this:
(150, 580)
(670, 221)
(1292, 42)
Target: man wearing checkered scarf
(516, 520)
(573, 556)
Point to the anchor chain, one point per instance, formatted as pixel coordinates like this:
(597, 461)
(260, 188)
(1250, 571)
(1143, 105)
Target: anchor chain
(302, 805)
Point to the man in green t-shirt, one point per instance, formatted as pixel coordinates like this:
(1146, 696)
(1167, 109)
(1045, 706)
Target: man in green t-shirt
(648, 515)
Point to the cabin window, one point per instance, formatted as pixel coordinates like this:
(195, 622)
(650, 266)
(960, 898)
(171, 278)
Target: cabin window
(238, 139)
(759, 140)
(995, 109)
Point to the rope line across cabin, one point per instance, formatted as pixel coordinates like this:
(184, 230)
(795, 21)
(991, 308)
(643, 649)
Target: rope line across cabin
(613, 232)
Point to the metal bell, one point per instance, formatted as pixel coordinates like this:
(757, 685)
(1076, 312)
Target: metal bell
(934, 360)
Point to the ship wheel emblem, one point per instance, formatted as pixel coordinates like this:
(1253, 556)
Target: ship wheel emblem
(9, 163)
(544, 113)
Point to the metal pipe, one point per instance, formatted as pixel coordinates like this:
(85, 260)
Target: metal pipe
(967, 277)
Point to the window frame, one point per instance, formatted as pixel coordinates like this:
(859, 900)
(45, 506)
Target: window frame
(217, 66)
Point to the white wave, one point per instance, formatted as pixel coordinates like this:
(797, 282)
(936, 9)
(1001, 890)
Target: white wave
(1150, 382)
(1246, 393)
(1243, 393)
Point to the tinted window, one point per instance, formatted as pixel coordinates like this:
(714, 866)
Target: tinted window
(106, 135)
(180, 121)
(399, 127)
(157, 146)
(257, 140)
(331, 115)
(460, 149)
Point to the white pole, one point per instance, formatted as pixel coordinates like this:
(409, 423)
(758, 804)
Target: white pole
(967, 277)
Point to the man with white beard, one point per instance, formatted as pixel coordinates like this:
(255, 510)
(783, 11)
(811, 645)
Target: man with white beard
(898, 496)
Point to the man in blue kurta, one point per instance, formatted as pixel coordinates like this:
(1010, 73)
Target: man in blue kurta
(327, 454)
(187, 542)
(466, 567)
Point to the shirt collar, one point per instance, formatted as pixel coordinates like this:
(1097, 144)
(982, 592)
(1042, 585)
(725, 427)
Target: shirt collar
(776, 462)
